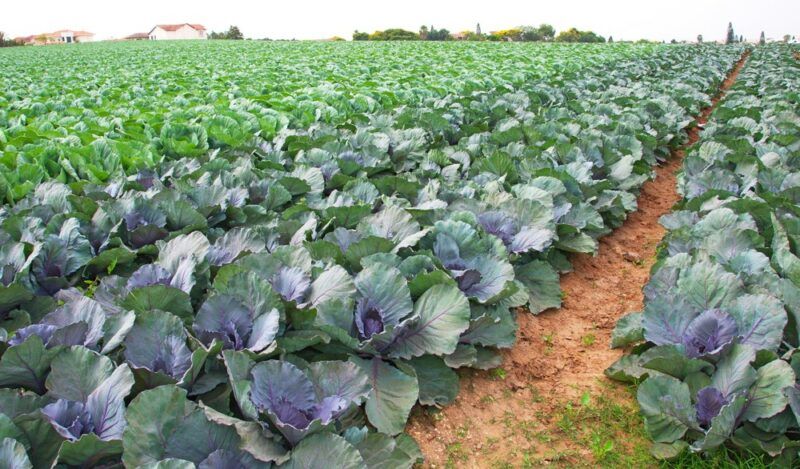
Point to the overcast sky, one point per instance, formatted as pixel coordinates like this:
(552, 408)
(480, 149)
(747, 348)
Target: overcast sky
(317, 19)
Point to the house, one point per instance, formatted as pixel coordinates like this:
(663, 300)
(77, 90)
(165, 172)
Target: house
(177, 31)
(68, 36)
(62, 36)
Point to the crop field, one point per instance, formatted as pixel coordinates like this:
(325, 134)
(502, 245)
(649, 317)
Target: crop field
(260, 254)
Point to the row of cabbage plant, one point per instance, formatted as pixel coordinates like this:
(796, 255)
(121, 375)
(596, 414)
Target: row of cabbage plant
(717, 340)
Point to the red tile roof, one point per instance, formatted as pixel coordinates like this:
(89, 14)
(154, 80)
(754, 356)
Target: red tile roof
(138, 36)
(175, 27)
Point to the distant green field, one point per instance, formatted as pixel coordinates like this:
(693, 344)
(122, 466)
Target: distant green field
(98, 111)
(240, 254)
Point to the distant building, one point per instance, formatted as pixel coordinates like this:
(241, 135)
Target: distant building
(177, 31)
(63, 36)
(137, 37)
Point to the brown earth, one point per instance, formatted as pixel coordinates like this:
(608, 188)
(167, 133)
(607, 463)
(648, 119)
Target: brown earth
(514, 416)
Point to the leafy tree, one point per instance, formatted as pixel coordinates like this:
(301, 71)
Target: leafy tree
(397, 34)
(546, 32)
(570, 35)
(762, 40)
(574, 35)
(233, 32)
(359, 36)
(529, 33)
(394, 34)
(514, 34)
(590, 36)
(730, 38)
(423, 32)
(437, 35)
(471, 36)
(787, 38)
(610, 39)
(699, 38)
(478, 30)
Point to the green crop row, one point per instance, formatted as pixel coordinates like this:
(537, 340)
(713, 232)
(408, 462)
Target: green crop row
(716, 343)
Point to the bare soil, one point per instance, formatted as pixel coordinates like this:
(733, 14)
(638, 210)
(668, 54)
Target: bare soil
(514, 416)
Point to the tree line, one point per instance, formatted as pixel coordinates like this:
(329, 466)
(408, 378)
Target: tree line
(233, 32)
(541, 33)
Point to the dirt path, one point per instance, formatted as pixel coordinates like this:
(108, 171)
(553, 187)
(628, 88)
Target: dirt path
(543, 405)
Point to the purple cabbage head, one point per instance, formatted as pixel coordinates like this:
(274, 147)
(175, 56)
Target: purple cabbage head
(709, 402)
(51, 266)
(466, 275)
(224, 318)
(329, 169)
(69, 418)
(300, 402)
(292, 283)
(344, 238)
(353, 157)
(145, 224)
(91, 401)
(368, 319)
(157, 343)
(147, 178)
(77, 322)
(709, 333)
(52, 336)
(149, 275)
(172, 359)
(384, 300)
(61, 255)
(499, 224)
(516, 238)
